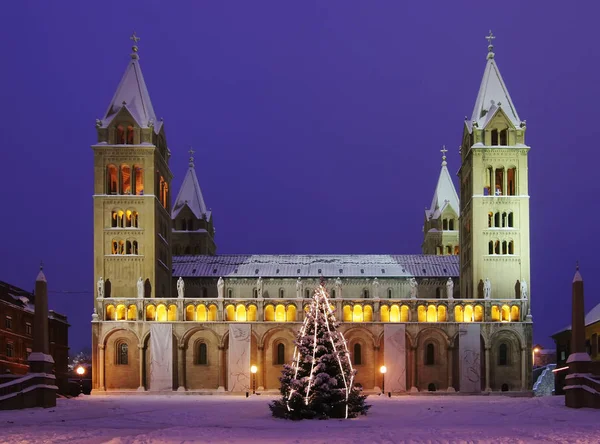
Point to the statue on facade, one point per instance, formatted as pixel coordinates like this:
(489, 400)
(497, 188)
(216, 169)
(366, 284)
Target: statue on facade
(450, 288)
(140, 288)
(95, 315)
(413, 287)
(100, 287)
(299, 288)
(523, 289)
(487, 289)
(259, 287)
(180, 287)
(376, 288)
(220, 287)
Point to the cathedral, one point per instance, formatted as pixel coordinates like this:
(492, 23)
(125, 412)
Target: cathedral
(170, 314)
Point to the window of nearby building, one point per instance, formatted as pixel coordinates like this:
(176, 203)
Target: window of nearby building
(8, 323)
(28, 328)
(27, 353)
(10, 350)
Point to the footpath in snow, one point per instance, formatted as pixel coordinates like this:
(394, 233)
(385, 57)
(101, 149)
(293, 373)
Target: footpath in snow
(229, 419)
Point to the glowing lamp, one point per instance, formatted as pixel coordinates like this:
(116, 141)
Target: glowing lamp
(383, 369)
(80, 370)
(536, 350)
(253, 369)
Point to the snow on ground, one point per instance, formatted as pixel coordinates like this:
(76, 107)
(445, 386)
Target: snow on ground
(230, 419)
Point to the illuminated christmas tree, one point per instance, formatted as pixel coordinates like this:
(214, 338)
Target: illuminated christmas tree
(320, 381)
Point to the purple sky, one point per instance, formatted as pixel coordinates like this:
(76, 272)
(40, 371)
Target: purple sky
(317, 126)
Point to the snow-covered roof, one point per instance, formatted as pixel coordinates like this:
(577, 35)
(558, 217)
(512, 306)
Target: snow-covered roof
(444, 195)
(190, 195)
(592, 317)
(493, 95)
(287, 265)
(132, 94)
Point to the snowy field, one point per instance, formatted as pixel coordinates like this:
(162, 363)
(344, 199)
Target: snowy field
(228, 419)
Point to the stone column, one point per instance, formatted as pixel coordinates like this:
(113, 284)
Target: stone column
(142, 365)
(378, 365)
(376, 311)
(261, 310)
(181, 367)
(261, 373)
(221, 387)
(487, 370)
(449, 359)
(523, 369)
(101, 368)
(414, 372)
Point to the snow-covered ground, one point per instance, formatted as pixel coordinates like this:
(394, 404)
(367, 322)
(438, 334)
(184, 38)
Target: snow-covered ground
(172, 418)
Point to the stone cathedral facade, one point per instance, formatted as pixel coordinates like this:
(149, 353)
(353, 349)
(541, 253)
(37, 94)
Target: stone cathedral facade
(171, 314)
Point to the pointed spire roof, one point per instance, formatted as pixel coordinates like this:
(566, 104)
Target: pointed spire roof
(190, 194)
(132, 94)
(493, 93)
(445, 193)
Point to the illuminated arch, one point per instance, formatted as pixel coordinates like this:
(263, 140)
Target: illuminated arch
(422, 314)
(150, 312)
(240, 313)
(269, 313)
(161, 312)
(291, 313)
(441, 313)
(190, 313)
(478, 313)
(132, 313)
(514, 313)
(201, 315)
(395, 313)
(431, 313)
(468, 314)
(368, 313)
(251, 313)
(404, 313)
(357, 313)
(230, 313)
(458, 314)
(495, 313)
(505, 313)
(347, 313)
(121, 312)
(384, 313)
(109, 313)
(280, 313)
(212, 312)
(172, 313)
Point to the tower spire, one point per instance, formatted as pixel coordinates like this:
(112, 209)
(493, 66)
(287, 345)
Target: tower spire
(191, 152)
(134, 48)
(444, 151)
(490, 38)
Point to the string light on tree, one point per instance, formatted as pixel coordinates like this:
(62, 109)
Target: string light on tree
(320, 381)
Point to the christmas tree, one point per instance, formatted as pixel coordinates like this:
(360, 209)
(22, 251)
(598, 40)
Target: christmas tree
(320, 381)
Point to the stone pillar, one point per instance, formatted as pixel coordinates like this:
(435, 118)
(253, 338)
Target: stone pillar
(378, 365)
(221, 387)
(414, 372)
(487, 370)
(376, 311)
(577, 317)
(101, 368)
(524, 369)
(142, 365)
(260, 374)
(449, 359)
(181, 367)
(261, 310)
(40, 319)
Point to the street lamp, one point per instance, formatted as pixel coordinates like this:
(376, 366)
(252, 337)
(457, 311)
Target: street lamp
(535, 350)
(253, 370)
(80, 371)
(383, 370)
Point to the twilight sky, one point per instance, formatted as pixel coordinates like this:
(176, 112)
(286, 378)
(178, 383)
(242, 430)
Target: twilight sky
(317, 126)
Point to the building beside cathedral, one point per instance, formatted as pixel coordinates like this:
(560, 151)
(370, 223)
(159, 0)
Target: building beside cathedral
(171, 314)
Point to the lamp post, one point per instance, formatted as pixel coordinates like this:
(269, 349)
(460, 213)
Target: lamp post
(253, 370)
(383, 370)
(80, 371)
(535, 350)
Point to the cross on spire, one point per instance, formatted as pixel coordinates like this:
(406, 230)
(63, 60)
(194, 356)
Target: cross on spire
(191, 152)
(135, 39)
(443, 151)
(490, 38)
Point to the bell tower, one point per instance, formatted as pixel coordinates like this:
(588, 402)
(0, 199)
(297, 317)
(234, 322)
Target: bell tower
(132, 179)
(494, 196)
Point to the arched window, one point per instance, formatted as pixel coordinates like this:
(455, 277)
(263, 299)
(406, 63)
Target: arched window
(122, 354)
(490, 219)
(491, 247)
(430, 355)
(281, 293)
(504, 248)
(120, 135)
(438, 293)
(494, 134)
(366, 294)
(503, 354)
(130, 135)
(511, 222)
(134, 219)
(389, 293)
(511, 247)
(183, 225)
(448, 249)
(333, 294)
(504, 220)
(504, 137)
(497, 220)
(451, 224)
(499, 186)
(229, 293)
(357, 355)
(445, 224)
(280, 356)
(202, 354)
(128, 247)
(487, 189)
(511, 185)
(255, 293)
(111, 180)
(125, 179)
(110, 313)
(307, 293)
(139, 180)
(497, 247)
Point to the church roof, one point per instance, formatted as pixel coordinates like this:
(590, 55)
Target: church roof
(444, 195)
(190, 195)
(132, 94)
(326, 265)
(492, 96)
(592, 317)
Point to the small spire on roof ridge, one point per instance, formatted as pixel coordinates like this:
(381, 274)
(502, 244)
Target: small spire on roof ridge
(489, 38)
(41, 265)
(134, 48)
(444, 151)
(577, 265)
(191, 152)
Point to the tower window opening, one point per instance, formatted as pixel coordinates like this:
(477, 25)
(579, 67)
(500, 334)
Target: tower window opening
(128, 247)
(281, 293)
(120, 135)
(456, 250)
(504, 137)
(125, 179)
(490, 219)
(511, 181)
(511, 247)
(111, 179)
(497, 220)
(451, 224)
(445, 224)
(448, 249)
(366, 294)
(504, 248)
(280, 358)
(487, 190)
(115, 247)
(504, 221)
(499, 185)
(389, 293)
(130, 135)
(138, 180)
(497, 247)
(307, 293)
(494, 135)
(511, 222)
